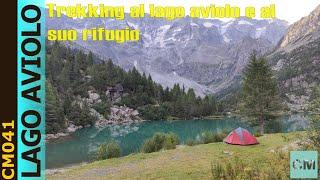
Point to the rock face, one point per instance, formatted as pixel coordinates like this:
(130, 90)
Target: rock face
(93, 97)
(115, 93)
(297, 61)
(306, 29)
(207, 55)
(120, 115)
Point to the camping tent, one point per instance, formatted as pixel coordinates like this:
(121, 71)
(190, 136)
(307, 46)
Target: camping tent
(241, 136)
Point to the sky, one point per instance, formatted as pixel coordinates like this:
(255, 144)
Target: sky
(289, 10)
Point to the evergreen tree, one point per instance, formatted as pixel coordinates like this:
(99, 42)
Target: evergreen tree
(54, 112)
(65, 76)
(260, 93)
(191, 104)
(89, 59)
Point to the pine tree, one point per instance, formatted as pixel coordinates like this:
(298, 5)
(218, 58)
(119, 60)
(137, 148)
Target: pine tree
(191, 103)
(260, 93)
(54, 112)
(65, 76)
(89, 59)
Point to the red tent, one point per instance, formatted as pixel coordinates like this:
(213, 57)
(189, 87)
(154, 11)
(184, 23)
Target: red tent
(240, 136)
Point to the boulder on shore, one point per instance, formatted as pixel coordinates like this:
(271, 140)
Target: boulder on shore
(119, 115)
(71, 129)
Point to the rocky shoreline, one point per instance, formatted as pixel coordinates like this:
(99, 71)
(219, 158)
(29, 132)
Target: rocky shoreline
(118, 115)
(71, 129)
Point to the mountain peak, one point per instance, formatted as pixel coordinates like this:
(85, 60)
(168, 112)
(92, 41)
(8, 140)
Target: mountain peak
(306, 29)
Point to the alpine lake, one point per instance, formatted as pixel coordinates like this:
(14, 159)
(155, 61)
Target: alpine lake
(80, 146)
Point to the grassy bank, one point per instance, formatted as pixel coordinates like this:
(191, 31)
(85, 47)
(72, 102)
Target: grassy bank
(185, 162)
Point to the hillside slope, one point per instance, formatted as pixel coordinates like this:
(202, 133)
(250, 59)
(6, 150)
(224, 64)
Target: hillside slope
(297, 60)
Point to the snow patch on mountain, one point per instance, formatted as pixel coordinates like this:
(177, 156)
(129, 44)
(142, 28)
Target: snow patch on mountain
(207, 24)
(135, 26)
(147, 39)
(226, 39)
(135, 63)
(260, 31)
(161, 35)
(243, 22)
(225, 26)
(194, 24)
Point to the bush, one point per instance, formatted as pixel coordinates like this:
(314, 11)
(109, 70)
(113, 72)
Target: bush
(207, 137)
(257, 134)
(113, 150)
(160, 141)
(148, 146)
(218, 137)
(153, 144)
(191, 142)
(102, 152)
(107, 151)
(210, 137)
(170, 142)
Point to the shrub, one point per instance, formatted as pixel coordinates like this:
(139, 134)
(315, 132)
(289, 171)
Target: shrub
(170, 142)
(113, 150)
(218, 137)
(153, 144)
(160, 141)
(257, 134)
(207, 137)
(102, 152)
(109, 150)
(148, 146)
(191, 142)
(210, 137)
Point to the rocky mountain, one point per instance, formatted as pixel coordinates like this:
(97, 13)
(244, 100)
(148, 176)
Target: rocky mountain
(207, 55)
(297, 60)
(305, 30)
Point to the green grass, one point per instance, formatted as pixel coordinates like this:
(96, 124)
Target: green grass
(185, 162)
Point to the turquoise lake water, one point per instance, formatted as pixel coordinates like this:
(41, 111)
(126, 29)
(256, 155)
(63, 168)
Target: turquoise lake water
(80, 146)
